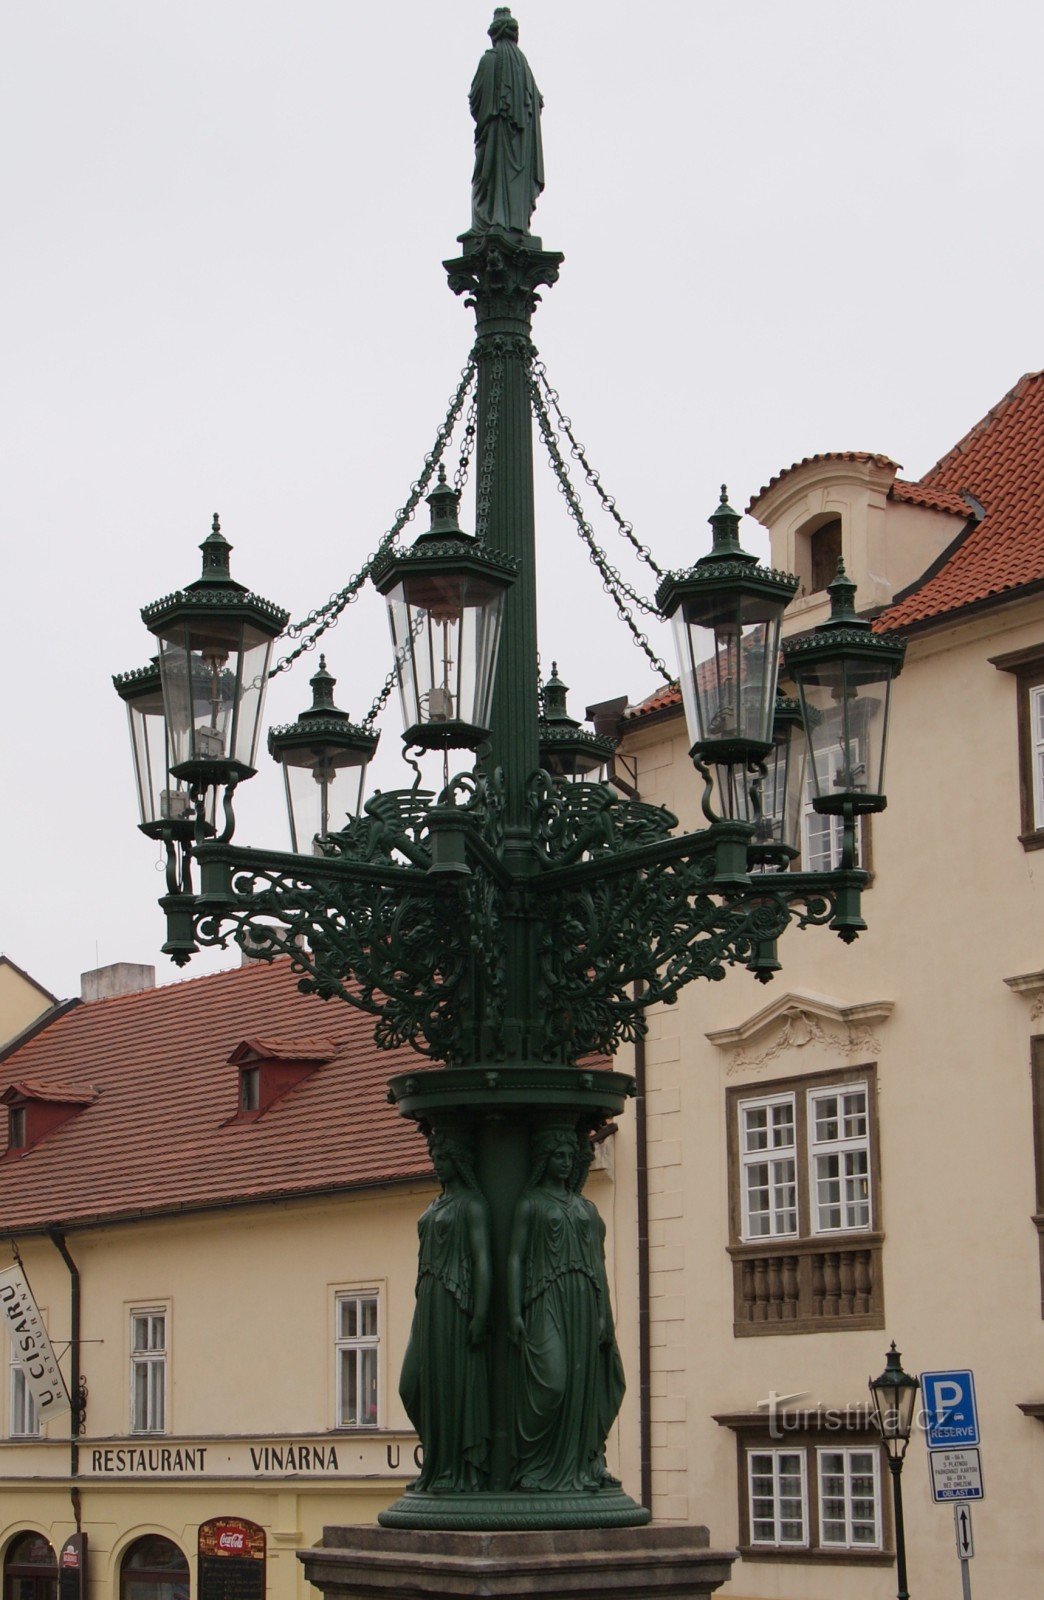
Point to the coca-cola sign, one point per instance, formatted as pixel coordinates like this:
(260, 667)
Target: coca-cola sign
(232, 1536)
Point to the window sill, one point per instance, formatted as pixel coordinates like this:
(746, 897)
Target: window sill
(847, 1558)
(1032, 841)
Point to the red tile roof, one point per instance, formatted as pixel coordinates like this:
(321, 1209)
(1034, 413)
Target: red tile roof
(923, 494)
(158, 1137)
(1001, 462)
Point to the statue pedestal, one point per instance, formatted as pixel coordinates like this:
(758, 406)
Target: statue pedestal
(368, 1563)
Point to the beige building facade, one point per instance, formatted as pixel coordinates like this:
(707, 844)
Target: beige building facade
(854, 1153)
(216, 1208)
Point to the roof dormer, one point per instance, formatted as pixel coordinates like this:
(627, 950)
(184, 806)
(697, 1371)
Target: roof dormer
(269, 1067)
(851, 504)
(35, 1109)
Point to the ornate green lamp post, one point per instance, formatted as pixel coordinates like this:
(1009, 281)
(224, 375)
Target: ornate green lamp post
(894, 1396)
(517, 924)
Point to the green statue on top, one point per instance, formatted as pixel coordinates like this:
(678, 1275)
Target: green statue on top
(509, 159)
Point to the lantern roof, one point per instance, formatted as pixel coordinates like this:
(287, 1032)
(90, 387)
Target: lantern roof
(444, 547)
(726, 566)
(323, 722)
(216, 590)
(845, 633)
(139, 682)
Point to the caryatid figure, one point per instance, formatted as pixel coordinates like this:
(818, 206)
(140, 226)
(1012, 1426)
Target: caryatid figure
(509, 158)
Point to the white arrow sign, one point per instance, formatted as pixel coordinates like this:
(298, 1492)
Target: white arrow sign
(962, 1527)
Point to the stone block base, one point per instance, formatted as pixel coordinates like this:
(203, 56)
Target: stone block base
(667, 1562)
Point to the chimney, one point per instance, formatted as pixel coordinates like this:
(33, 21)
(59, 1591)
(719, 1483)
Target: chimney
(121, 977)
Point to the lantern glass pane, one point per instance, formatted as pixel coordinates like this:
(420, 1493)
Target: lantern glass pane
(848, 742)
(214, 685)
(728, 650)
(160, 797)
(324, 788)
(446, 634)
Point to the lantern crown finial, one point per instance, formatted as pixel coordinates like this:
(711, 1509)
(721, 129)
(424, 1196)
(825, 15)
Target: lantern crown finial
(444, 501)
(725, 523)
(553, 699)
(842, 592)
(323, 685)
(216, 551)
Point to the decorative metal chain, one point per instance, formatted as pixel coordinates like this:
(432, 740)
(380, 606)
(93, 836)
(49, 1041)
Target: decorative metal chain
(612, 581)
(578, 452)
(327, 615)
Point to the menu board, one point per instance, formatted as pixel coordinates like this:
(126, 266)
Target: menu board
(231, 1560)
(72, 1568)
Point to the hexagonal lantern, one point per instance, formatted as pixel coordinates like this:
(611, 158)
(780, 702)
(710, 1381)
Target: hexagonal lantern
(164, 803)
(844, 672)
(320, 752)
(726, 612)
(215, 645)
(566, 749)
(776, 817)
(445, 597)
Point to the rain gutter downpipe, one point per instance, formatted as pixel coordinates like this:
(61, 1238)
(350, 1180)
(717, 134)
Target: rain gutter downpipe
(57, 1238)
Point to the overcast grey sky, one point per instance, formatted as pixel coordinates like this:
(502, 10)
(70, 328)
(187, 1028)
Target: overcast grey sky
(787, 228)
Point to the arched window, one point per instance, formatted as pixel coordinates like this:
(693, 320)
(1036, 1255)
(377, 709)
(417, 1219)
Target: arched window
(30, 1569)
(153, 1568)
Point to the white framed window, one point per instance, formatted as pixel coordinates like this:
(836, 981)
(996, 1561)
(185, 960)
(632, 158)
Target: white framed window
(839, 1150)
(849, 1498)
(1036, 743)
(821, 837)
(768, 1156)
(148, 1369)
(357, 1354)
(24, 1421)
(777, 1485)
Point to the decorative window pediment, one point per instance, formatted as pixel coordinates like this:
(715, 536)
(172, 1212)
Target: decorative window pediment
(802, 1022)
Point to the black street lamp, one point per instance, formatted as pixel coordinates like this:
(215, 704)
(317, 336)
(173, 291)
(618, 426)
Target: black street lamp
(894, 1398)
(517, 923)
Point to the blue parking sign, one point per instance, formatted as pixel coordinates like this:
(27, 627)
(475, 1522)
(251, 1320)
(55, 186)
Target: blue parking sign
(951, 1420)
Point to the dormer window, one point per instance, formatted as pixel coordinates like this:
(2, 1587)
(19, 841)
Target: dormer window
(35, 1109)
(825, 551)
(269, 1068)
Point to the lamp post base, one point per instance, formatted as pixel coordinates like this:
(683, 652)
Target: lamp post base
(657, 1562)
(514, 1510)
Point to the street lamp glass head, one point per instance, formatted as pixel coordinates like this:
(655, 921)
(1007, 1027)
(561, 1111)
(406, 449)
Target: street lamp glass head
(844, 672)
(445, 600)
(894, 1396)
(324, 757)
(769, 795)
(726, 614)
(215, 644)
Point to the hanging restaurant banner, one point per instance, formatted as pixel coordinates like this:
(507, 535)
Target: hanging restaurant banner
(30, 1345)
(231, 1560)
(72, 1568)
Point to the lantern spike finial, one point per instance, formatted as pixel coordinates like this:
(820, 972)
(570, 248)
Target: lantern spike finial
(216, 551)
(553, 696)
(725, 523)
(842, 592)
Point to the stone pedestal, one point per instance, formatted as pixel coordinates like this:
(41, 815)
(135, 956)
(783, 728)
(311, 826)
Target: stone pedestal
(368, 1563)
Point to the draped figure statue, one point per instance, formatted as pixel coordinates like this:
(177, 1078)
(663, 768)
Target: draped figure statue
(509, 158)
(445, 1375)
(569, 1376)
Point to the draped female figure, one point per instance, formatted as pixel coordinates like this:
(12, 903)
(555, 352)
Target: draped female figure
(445, 1375)
(569, 1378)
